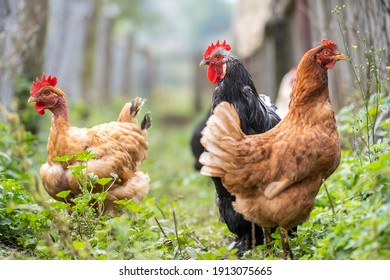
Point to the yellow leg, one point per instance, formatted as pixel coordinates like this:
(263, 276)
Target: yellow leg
(267, 239)
(287, 253)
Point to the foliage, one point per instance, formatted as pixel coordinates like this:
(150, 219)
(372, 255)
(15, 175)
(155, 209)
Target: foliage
(28, 117)
(17, 147)
(372, 89)
(21, 219)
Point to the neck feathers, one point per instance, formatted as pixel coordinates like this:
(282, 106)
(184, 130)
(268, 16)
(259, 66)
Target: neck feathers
(60, 111)
(311, 81)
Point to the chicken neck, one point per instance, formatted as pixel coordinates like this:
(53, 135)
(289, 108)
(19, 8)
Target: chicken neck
(58, 131)
(60, 111)
(310, 94)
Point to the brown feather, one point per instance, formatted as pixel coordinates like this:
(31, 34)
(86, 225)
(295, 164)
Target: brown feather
(120, 149)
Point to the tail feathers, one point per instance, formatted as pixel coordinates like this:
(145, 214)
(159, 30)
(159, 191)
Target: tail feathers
(130, 111)
(136, 106)
(220, 138)
(147, 121)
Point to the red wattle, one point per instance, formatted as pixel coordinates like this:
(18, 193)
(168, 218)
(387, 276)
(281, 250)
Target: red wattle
(330, 65)
(212, 75)
(40, 108)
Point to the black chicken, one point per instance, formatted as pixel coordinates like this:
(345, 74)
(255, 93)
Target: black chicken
(257, 115)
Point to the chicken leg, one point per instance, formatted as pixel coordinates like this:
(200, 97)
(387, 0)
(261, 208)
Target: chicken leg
(287, 253)
(267, 239)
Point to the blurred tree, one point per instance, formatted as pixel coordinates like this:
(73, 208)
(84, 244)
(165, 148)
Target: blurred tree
(185, 28)
(207, 21)
(66, 42)
(118, 24)
(22, 33)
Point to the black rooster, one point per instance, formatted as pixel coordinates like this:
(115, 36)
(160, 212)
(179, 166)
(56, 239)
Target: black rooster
(257, 115)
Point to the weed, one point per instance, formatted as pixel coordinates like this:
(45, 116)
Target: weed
(371, 89)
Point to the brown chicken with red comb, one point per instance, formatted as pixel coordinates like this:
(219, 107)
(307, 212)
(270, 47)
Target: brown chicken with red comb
(276, 175)
(120, 147)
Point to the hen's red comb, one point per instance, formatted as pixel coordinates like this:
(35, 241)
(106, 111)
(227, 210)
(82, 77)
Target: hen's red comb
(329, 43)
(212, 47)
(44, 81)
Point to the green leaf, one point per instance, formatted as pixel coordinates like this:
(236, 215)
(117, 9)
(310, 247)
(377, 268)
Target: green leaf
(63, 194)
(77, 168)
(85, 156)
(63, 158)
(103, 181)
(59, 205)
(100, 196)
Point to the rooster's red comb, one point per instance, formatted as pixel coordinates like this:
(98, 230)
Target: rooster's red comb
(44, 81)
(212, 47)
(329, 43)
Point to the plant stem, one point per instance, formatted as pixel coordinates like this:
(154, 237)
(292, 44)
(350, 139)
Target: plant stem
(177, 235)
(329, 198)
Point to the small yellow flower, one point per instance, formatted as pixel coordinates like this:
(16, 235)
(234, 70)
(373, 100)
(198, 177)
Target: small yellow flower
(388, 67)
(354, 47)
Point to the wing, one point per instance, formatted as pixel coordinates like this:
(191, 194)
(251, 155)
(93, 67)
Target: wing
(117, 145)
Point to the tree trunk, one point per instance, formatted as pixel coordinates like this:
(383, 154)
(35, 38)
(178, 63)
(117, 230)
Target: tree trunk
(127, 71)
(22, 26)
(102, 56)
(65, 42)
(89, 61)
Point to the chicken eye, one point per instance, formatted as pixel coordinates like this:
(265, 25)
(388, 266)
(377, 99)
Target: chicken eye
(46, 93)
(326, 53)
(218, 56)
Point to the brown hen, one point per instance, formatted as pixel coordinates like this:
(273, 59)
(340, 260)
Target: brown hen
(120, 147)
(276, 175)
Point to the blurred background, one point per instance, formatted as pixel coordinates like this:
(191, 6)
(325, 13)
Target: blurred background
(103, 49)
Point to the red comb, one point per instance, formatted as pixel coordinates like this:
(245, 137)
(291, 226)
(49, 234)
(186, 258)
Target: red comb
(45, 81)
(212, 47)
(329, 43)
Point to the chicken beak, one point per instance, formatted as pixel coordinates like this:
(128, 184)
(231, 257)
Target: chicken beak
(32, 99)
(340, 57)
(203, 63)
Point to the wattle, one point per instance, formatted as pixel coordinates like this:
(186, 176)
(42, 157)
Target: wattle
(40, 108)
(331, 64)
(212, 75)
